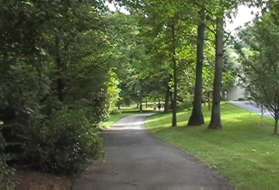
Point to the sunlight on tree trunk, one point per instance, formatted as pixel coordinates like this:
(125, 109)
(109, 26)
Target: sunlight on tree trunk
(215, 122)
(167, 98)
(197, 118)
(174, 108)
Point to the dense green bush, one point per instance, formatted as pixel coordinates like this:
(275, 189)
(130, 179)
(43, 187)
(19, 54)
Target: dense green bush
(62, 142)
(45, 66)
(6, 174)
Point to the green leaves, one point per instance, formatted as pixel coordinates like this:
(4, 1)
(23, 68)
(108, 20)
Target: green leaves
(55, 54)
(260, 62)
(28, 3)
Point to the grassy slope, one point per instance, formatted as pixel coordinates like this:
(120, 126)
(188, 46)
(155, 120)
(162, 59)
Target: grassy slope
(245, 151)
(124, 112)
(114, 118)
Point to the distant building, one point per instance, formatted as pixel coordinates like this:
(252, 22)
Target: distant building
(237, 93)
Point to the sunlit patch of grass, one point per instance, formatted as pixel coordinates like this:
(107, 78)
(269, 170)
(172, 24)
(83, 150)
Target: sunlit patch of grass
(114, 118)
(245, 150)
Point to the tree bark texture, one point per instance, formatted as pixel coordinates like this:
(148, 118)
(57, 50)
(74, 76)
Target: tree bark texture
(174, 64)
(197, 117)
(216, 122)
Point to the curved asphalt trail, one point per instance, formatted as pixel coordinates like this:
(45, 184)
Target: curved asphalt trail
(137, 161)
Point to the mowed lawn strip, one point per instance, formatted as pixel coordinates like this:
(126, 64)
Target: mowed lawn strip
(114, 118)
(245, 151)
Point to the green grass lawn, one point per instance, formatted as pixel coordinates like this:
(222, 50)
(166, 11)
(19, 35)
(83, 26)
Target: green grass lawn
(114, 118)
(245, 151)
(124, 112)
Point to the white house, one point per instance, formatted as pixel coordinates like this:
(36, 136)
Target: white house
(237, 93)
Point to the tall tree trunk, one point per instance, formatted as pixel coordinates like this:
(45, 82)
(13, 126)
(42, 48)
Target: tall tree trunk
(141, 99)
(215, 122)
(140, 107)
(171, 100)
(174, 106)
(167, 99)
(276, 122)
(276, 127)
(59, 65)
(197, 118)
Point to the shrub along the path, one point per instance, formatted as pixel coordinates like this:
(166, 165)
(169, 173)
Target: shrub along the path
(60, 143)
(6, 173)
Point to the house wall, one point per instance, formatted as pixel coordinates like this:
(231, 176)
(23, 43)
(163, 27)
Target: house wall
(236, 93)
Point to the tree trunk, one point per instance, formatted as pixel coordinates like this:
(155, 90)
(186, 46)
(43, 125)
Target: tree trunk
(171, 100)
(140, 107)
(276, 122)
(197, 118)
(59, 65)
(167, 99)
(276, 127)
(174, 106)
(215, 122)
(141, 99)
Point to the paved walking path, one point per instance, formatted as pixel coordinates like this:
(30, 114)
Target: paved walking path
(251, 106)
(135, 160)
